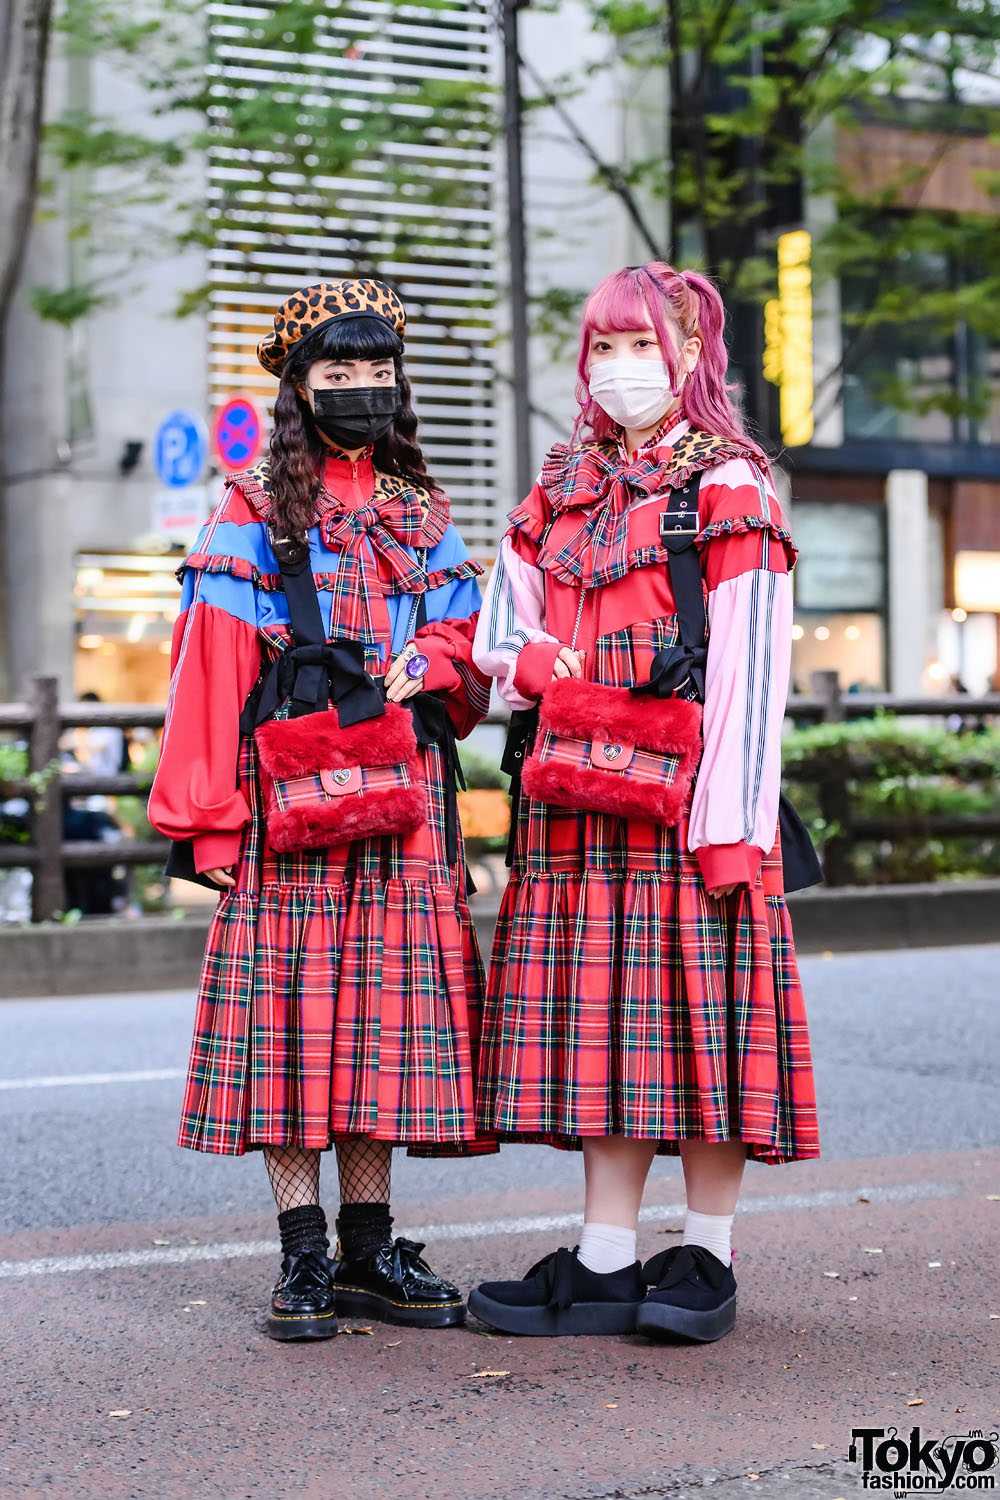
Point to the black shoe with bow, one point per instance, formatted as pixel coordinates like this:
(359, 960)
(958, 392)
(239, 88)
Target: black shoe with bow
(559, 1295)
(302, 1303)
(394, 1285)
(692, 1296)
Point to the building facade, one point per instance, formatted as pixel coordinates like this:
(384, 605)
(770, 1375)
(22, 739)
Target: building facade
(94, 535)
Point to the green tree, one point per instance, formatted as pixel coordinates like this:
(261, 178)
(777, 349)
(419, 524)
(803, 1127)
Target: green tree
(756, 92)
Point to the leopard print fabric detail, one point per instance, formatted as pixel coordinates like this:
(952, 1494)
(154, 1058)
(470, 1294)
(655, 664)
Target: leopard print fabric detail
(579, 476)
(309, 309)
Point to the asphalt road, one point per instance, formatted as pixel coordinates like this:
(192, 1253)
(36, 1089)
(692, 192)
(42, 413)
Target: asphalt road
(133, 1278)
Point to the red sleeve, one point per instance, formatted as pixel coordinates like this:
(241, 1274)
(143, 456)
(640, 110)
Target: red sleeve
(535, 663)
(729, 864)
(447, 644)
(215, 662)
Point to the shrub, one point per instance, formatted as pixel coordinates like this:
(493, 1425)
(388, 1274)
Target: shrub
(896, 770)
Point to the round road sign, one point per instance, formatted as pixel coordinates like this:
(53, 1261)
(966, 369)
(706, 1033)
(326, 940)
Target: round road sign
(238, 433)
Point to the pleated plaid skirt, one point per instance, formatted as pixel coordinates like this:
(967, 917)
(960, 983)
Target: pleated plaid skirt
(340, 995)
(624, 1000)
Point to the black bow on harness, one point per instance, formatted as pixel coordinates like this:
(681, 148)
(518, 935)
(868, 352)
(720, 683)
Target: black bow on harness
(312, 671)
(674, 667)
(308, 677)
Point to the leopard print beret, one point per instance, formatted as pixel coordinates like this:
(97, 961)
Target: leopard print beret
(305, 311)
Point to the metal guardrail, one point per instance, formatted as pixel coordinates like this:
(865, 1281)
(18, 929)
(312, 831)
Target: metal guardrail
(42, 719)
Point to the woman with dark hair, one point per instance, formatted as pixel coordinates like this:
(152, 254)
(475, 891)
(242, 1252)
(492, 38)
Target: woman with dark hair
(341, 987)
(644, 996)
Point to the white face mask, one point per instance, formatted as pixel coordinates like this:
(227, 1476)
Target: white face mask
(634, 392)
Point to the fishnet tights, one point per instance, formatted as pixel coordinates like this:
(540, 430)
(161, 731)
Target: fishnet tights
(365, 1168)
(294, 1175)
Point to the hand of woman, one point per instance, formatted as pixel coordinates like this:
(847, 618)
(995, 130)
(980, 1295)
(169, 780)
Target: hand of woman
(567, 664)
(222, 875)
(397, 685)
(725, 890)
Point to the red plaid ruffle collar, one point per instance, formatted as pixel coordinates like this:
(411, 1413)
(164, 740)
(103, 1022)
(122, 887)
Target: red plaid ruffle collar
(595, 480)
(399, 515)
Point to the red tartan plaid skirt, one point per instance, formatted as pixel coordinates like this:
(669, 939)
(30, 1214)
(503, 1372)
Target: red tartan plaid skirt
(340, 995)
(624, 1000)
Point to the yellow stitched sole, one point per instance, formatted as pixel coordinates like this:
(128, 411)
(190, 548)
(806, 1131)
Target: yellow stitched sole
(363, 1292)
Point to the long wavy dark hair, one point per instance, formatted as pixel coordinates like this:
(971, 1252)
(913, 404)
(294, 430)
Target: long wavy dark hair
(297, 450)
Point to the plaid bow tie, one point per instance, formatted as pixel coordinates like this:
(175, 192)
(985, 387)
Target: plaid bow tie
(380, 530)
(597, 552)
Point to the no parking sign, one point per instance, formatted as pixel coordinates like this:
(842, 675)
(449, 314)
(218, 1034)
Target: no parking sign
(238, 433)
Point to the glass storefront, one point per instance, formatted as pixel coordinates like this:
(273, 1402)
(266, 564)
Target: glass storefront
(840, 594)
(126, 605)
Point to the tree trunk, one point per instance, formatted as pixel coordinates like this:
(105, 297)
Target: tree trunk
(24, 34)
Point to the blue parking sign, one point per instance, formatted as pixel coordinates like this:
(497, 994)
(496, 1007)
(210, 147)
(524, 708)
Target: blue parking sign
(180, 448)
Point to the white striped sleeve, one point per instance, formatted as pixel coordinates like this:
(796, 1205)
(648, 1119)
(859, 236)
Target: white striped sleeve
(746, 684)
(512, 617)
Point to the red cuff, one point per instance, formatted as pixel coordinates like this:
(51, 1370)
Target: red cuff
(441, 675)
(729, 864)
(533, 672)
(215, 851)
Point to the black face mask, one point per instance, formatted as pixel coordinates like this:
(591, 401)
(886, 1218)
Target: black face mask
(358, 416)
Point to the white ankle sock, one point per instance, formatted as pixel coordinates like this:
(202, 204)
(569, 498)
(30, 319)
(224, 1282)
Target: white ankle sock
(711, 1231)
(606, 1247)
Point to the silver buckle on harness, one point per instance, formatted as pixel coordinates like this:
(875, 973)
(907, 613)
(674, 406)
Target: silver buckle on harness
(674, 521)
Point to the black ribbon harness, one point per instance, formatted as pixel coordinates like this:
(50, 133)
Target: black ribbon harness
(677, 669)
(314, 672)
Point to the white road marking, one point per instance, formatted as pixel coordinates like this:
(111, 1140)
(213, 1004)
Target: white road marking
(179, 1255)
(78, 1080)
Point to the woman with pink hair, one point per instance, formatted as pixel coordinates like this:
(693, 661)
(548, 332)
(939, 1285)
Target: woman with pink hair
(644, 995)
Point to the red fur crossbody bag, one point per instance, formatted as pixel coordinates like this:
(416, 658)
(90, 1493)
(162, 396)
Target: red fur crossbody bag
(600, 749)
(324, 784)
(632, 752)
(330, 775)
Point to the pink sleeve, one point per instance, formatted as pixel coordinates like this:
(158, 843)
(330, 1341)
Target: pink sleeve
(511, 643)
(734, 814)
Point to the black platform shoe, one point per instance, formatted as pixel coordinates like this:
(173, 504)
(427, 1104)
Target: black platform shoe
(302, 1303)
(692, 1296)
(559, 1295)
(394, 1285)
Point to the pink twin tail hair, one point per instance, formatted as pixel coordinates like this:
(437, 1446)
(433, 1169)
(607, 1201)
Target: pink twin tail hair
(677, 305)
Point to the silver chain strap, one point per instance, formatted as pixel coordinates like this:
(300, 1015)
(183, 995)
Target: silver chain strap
(579, 617)
(415, 607)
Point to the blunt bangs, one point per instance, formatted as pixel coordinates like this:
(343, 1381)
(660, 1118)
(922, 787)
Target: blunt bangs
(617, 305)
(352, 338)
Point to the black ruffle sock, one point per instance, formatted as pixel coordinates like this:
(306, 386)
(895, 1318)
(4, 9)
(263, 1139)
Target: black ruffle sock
(362, 1228)
(303, 1229)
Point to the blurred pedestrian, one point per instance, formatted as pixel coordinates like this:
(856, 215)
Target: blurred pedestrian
(342, 983)
(644, 995)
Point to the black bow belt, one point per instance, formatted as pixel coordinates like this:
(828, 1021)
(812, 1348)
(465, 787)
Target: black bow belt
(308, 678)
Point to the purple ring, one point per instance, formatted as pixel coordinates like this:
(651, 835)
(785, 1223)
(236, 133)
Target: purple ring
(417, 666)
